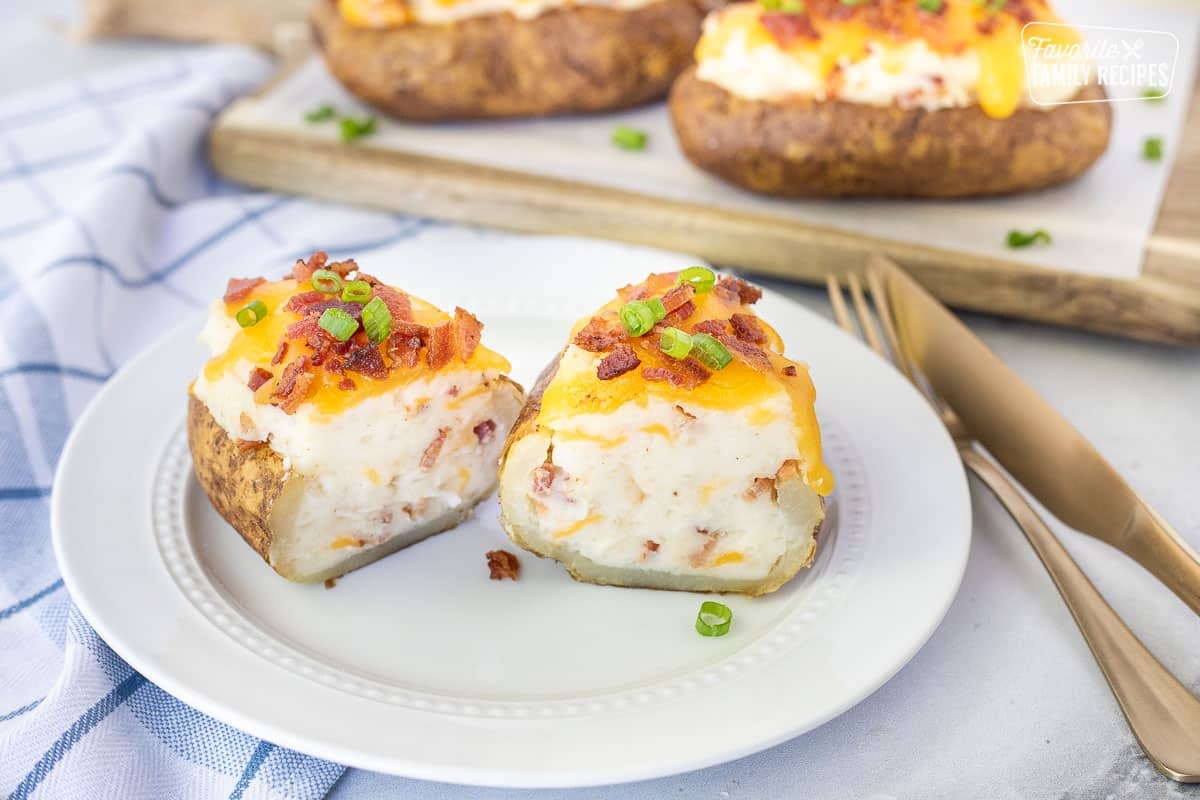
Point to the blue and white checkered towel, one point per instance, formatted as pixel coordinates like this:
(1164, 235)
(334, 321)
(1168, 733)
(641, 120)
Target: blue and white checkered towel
(112, 227)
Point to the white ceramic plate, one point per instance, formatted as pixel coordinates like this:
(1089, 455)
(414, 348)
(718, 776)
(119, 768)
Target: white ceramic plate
(419, 664)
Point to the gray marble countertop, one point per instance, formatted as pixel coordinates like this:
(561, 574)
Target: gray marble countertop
(1005, 701)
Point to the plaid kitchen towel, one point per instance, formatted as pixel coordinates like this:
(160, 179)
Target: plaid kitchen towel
(112, 227)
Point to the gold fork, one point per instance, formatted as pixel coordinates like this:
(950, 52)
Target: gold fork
(1163, 714)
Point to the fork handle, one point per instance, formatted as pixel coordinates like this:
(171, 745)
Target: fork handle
(1163, 714)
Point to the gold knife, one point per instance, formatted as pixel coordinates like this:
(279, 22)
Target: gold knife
(1038, 447)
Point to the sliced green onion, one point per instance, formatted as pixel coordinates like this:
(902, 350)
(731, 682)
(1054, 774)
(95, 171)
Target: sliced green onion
(322, 113)
(710, 352)
(1155, 94)
(657, 308)
(338, 324)
(326, 281)
(714, 619)
(351, 128)
(628, 138)
(791, 6)
(377, 320)
(252, 314)
(1020, 239)
(675, 343)
(702, 279)
(638, 317)
(356, 292)
(932, 6)
(1152, 148)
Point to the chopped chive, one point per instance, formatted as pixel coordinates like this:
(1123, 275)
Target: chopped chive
(854, 2)
(932, 6)
(628, 138)
(1152, 148)
(338, 324)
(251, 314)
(714, 619)
(791, 6)
(326, 281)
(710, 352)
(322, 113)
(675, 343)
(356, 292)
(702, 279)
(377, 320)
(638, 317)
(657, 308)
(1155, 94)
(352, 128)
(1019, 239)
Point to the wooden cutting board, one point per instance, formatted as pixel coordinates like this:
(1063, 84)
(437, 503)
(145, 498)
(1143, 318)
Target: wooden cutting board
(1162, 304)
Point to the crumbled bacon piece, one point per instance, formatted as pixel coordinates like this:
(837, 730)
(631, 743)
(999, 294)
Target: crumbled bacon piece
(686, 414)
(503, 564)
(409, 330)
(317, 309)
(347, 385)
(299, 303)
(397, 302)
(790, 371)
(468, 330)
(238, 288)
(683, 377)
(713, 327)
(485, 431)
(434, 449)
(280, 352)
(330, 583)
(258, 376)
(306, 328)
(405, 350)
(787, 29)
(746, 328)
(681, 313)
(543, 478)
(747, 294)
(293, 385)
(441, 345)
(367, 360)
(600, 334)
(631, 292)
(652, 545)
(246, 445)
(621, 360)
(303, 271)
(701, 556)
(752, 354)
(678, 296)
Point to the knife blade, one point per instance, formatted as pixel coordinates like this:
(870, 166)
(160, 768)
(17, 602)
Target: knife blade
(1031, 440)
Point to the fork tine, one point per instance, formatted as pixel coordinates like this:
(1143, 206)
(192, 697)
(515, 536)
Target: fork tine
(865, 319)
(840, 313)
(884, 309)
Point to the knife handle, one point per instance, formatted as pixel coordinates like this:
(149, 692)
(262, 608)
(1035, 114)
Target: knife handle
(1163, 714)
(1154, 544)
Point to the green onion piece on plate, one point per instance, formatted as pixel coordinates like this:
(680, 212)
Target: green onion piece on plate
(1155, 94)
(338, 324)
(628, 138)
(252, 314)
(351, 128)
(1020, 239)
(714, 619)
(702, 279)
(638, 317)
(356, 292)
(326, 281)
(322, 113)
(377, 320)
(709, 352)
(675, 343)
(1152, 148)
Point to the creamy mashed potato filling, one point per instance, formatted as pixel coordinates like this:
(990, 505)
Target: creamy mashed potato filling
(963, 55)
(390, 13)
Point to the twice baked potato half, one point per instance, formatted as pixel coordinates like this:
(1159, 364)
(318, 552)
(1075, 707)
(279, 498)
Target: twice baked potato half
(670, 445)
(340, 419)
(435, 60)
(881, 99)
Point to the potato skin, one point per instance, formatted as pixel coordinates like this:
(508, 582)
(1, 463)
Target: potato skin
(808, 148)
(578, 59)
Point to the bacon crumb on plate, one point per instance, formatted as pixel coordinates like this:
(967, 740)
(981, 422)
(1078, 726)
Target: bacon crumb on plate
(503, 564)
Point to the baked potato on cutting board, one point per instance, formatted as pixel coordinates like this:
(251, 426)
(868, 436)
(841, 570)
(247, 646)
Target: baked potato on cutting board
(670, 445)
(884, 97)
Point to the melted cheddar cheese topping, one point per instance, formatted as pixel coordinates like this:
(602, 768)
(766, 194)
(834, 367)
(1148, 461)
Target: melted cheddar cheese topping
(258, 344)
(737, 387)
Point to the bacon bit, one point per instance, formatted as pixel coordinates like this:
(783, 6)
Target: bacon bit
(435, 447)
(688, 416)
(367, 360)
(264, 393)
(543, 478)
(652, 545)
(752, 355)
(600, 334)
(346, 385)
(396, 301)
(631, 292)
(258, 376)
(246, 445)
(701, 556)
(303, 271)
(759, 487)
(986, 26)
(787, 29)
(405, 350)
(317, 309)
(678, 296)
(468, 331)
(686, 380)
(713, 327)
(299, 303)
(441, 345)
(280, 352)
(790, 371)
(343, 268)
(238, 288)
(307, 328)
(679, 314)
(330, 583)
(621, 360)
(485, 431)
(409, 330)
(746, 328)
(503, 564)
(747, 294)
(293, 385)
